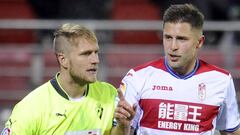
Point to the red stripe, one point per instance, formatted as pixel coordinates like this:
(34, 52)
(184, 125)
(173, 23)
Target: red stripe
(159, 64)
(205, 67)
(177, 116)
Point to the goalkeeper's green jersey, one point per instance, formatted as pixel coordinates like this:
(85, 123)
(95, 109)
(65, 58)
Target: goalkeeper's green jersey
(48, 111)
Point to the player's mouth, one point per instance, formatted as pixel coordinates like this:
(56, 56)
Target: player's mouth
(173, 57)
(92, 70)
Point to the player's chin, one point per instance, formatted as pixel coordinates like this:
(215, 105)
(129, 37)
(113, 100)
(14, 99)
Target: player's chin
(92, 79)
(174, 64)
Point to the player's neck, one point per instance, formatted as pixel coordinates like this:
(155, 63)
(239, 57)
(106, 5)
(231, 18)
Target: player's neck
(74, 90)
(185, 70)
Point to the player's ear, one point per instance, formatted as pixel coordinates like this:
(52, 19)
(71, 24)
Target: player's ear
(62, 59)
(201, 41)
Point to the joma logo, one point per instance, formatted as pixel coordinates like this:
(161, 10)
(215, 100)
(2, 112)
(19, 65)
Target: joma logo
(158, 87)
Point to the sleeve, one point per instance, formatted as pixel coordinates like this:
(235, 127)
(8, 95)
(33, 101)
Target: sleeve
(229, 119)
(131, 87)
(21, 121)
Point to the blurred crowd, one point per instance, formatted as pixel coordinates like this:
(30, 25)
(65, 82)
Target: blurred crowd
(214, 10)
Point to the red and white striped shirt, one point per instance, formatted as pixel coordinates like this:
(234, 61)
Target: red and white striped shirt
(197, 103)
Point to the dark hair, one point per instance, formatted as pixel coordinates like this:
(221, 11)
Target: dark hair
(184, 13)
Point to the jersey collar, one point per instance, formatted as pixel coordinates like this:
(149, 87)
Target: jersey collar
(59, 89)
(173, 73)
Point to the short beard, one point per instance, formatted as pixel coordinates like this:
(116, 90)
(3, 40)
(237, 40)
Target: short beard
(77, 80)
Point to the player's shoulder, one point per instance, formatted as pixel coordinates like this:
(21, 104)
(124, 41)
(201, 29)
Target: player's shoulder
(103, 91)
(206, 67)
(159, 64)
(145, 69)
(37, 95)
(103, 86)
(35, 100)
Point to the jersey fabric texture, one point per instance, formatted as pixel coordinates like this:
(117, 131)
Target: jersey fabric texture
(48, 111)
(169, 104)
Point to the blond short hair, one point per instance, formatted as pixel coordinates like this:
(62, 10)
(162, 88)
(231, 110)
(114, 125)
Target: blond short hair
(71, 32)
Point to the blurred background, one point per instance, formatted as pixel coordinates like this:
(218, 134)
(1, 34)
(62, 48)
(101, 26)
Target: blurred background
(129, 33)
